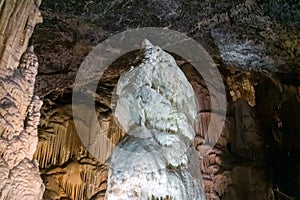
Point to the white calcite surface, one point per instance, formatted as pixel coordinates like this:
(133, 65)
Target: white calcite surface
(156, 107)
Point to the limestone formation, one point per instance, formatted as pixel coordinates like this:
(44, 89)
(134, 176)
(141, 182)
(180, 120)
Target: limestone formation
(19, 107)
(156, 106)
(20, 117)
(18, 19)
(68, 170)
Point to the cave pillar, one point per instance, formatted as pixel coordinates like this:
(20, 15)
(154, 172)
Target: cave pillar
(19, 107)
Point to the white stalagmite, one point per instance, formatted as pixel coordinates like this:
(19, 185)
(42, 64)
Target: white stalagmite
(156, 107)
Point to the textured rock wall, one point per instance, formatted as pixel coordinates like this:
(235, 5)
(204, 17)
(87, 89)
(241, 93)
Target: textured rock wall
(19, 107)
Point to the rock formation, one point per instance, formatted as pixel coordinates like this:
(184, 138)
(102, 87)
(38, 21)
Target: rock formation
(156, 107)
(254, 43)
(19, 107)
(251, 42)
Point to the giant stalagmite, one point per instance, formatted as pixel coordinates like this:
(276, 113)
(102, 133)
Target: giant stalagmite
(156, 107)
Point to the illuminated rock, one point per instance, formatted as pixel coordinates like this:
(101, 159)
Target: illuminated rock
(156, 107)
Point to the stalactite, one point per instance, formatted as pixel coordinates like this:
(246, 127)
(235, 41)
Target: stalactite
(72, 182)
(100, 139)
(77, 180)
(95, 178)
(59, 145)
